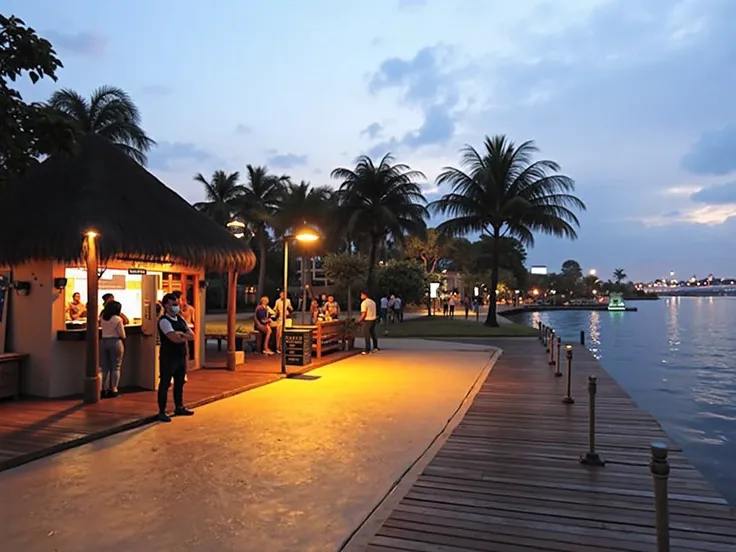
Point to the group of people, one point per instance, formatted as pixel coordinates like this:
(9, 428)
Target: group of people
(392, 309)
(268, 318)
(451, 301)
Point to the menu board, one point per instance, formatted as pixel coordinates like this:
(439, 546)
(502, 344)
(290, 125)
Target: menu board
(298, 347)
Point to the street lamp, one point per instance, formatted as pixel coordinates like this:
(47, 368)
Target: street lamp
(592, 272)
(304, 234)
(237, 228)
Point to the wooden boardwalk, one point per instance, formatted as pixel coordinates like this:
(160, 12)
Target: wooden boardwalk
(34, 428)
(508, 478)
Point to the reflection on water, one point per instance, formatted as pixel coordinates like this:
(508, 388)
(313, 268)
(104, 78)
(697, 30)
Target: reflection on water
(674, 356)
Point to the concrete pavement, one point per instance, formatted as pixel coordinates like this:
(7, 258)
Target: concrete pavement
(293, 466)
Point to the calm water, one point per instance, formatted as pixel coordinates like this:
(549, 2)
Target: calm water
(677, 358)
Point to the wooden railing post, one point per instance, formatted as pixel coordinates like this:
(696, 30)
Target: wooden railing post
(567, 399)
(660, 470)
(592, 458)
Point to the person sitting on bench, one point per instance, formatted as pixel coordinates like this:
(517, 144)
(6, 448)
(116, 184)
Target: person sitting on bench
(262, 323)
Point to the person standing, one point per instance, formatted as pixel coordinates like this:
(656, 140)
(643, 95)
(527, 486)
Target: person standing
(368, 319)
(281, 308)
(75, 309)
(174, 333)
(384, 308)
(186, 311)
(112, 348)
(466, 304)
(451, 304)
(108, 297)
(399, 308)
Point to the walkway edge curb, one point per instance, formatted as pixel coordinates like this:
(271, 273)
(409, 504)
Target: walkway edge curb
(359, 539)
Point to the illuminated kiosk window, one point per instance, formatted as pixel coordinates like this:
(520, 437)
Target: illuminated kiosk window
(616, 302)
(125, 287)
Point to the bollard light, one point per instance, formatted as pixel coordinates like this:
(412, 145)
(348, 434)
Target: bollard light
(552, 349)
(558, 373)
(591, 458)
(567, 399)
(660, 470)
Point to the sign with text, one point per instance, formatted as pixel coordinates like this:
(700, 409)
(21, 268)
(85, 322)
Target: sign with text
(541, 270)
(140, 271)
(298, 351)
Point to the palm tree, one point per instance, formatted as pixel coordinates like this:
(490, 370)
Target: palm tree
(303, 204)
(380, 201)
(109, 112)
(501, 191)
(223, 192)
(619, 275)
(258, 205)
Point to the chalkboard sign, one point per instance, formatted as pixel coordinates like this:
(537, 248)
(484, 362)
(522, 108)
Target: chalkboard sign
(298, 350)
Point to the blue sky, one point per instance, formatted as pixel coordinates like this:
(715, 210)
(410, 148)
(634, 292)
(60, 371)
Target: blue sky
(636, 100)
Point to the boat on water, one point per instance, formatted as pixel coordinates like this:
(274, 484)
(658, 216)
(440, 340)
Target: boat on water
(616, 302)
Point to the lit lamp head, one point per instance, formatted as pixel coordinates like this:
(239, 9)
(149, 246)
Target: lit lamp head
(568, 349)
(306, 234)
(91, 234)
(237, 228)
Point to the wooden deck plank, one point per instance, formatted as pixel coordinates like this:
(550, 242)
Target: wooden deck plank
(509, 478)
(31, 428)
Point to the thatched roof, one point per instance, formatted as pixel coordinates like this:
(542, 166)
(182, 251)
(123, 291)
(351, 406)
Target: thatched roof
(44, 215)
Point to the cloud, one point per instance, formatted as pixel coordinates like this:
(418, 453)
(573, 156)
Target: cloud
(427, 81)
(372, 131)
(168, 156)
(287, 160)
(83, 43)
(714, 153)
(243, 129)
(157, 89)
(717, 194)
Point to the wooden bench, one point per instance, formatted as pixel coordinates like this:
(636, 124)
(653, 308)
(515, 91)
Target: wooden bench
(254, 336)
(10, 366)
(328, 336)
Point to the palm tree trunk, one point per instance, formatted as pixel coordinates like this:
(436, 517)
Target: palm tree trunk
(261, 263)
(491, 320)
(372, 263)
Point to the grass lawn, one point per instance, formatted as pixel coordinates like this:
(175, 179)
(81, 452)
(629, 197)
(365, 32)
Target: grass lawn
(437, 326)
(244, 324)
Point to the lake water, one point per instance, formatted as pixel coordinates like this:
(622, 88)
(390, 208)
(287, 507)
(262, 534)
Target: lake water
(677, 358)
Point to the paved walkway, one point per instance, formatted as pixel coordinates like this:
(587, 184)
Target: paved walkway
(293, 466)
(508, 478)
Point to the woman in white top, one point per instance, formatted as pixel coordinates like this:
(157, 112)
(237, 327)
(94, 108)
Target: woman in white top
(112, 348)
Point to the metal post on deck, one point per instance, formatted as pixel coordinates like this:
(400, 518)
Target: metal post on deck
(541, 328)
(592, 458)
(558, 373)
(550, 333)
(582, 337)
(567, 399)
(552, 349)
(660, 469)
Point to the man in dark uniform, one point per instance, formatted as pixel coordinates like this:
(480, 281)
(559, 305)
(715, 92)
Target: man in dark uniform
(174, 333)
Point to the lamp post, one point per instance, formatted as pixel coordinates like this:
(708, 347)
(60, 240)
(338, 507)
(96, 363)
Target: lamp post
(92, 383)
(305, 234)
(239, 230)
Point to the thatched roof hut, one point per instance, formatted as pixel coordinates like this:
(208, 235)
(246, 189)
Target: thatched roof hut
(44, 215)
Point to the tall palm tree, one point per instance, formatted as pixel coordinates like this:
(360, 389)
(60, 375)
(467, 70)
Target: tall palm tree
(501, 191)
(222, 192)
(380, 201)
(258, 205)
(304, 204)
(109, 112)
(619, 275)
